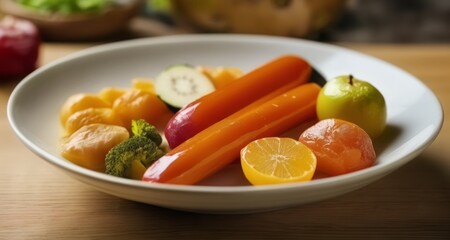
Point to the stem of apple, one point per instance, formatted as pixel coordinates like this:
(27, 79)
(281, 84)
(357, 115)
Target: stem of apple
(350, 77)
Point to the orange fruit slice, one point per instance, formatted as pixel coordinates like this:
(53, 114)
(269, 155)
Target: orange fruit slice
(275, 160)
(110, 94)
(221, 76)
(340, 146)
(144, 84)
(79, 102)
(89, 116)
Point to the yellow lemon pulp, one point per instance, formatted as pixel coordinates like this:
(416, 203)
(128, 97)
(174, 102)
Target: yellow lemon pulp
(276, 160)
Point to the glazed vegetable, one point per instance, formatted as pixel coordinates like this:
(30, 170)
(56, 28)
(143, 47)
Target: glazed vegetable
(88, 146)
(258, 86)
(142, 148)
(220, 144)
(78, 102)
(89, 116)
(139, 104)
(110, 94)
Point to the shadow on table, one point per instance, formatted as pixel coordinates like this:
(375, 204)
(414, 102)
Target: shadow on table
(389, 207)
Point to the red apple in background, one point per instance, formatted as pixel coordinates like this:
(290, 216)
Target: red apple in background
(19, 47)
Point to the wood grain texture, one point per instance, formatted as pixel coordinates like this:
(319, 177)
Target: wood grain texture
(38, 201)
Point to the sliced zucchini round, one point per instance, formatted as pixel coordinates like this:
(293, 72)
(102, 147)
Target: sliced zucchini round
(180, 85)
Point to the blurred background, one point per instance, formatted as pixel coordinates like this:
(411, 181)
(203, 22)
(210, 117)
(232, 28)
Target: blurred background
(400, 21)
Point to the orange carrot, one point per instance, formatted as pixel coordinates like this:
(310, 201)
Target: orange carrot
(258, 86)
(219, 145)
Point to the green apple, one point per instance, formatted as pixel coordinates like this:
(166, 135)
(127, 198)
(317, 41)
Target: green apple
(354, 100)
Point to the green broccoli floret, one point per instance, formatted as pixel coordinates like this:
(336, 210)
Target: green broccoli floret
(143, 146)
(142, 128)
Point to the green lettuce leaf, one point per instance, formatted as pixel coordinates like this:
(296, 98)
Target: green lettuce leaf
(66, 6)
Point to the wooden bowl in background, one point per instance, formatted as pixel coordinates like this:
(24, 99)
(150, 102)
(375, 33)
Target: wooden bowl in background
(78, 26)
(292, 18)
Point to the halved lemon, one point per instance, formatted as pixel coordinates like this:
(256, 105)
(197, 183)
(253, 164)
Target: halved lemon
(275, 160)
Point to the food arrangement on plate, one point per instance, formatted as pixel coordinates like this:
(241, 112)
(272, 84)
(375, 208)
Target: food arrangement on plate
(190, 122)
(33, 110)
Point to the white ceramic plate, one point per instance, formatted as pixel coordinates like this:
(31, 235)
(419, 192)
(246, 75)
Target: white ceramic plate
(34, 105)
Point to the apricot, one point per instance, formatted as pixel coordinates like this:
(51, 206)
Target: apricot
(340, 146)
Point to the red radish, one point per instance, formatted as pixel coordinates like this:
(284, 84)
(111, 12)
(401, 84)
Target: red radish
(19, 47)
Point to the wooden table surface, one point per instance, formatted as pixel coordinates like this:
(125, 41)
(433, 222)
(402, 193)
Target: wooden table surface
(38, 201)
